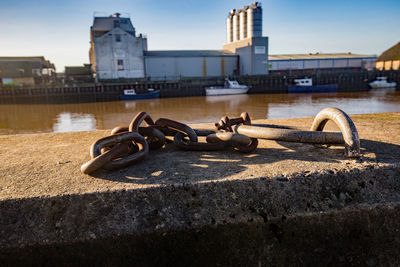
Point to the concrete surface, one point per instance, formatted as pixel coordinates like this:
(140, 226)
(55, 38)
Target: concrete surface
(283, 204)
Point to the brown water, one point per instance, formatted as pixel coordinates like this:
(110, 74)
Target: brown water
(34, 118)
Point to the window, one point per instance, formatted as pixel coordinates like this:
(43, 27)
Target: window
(116, 23)
(118, 37)
(120, 64)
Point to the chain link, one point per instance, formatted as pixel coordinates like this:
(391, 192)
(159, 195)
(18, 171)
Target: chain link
(128, 145)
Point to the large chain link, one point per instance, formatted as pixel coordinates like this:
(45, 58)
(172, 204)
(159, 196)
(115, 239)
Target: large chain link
(131, 144)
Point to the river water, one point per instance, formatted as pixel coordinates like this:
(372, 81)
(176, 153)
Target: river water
(36, 118)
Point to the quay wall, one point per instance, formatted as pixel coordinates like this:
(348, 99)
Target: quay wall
(260, 84)
(285, 204)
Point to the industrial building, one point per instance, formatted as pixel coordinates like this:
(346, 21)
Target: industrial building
(26, 71)
(78, 74)
(244, 38)
(173, 65)
(117, 52)
(390, 59)
(319, 62)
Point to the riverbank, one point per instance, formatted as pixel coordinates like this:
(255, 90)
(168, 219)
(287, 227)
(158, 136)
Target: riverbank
(283, 204)
(260, 84)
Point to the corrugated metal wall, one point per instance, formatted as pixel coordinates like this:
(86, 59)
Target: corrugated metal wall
(160, 68)
(337, 63)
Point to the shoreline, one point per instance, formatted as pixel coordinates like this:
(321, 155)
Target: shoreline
(171, 208)
(260, 84)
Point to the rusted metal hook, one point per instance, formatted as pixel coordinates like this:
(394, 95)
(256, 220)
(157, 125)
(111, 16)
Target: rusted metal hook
(346, 126)
(348, 136)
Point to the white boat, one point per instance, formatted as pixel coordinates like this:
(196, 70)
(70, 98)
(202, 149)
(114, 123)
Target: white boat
(229, 88)
(381, 82)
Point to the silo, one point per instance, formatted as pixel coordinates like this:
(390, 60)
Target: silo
(250, 32)
(257, 19)
(254, 20)
(235, 25)
(243, 24)
(229, 29)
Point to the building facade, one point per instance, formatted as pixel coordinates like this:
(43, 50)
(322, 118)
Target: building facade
(173, 65)
(78, 74)
(116, 52)
(320, 62)
(26, 71)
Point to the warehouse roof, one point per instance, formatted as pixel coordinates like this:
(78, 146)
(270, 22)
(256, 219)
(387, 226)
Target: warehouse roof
(22, 58)
(189, 53)
(318, 56)
(45, 63)
(392, 53)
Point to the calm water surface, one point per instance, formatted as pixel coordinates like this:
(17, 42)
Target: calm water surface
(34, 118)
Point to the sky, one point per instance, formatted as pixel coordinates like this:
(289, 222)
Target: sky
(60, 29)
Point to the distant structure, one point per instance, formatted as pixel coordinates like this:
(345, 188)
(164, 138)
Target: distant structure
(244, 23)
(78, 74)
(26, 71)
(390, 59)
(116, 52)
(319, 62)
(244, 38)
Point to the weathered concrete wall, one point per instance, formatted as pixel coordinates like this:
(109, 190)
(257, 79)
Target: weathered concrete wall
(284, 204)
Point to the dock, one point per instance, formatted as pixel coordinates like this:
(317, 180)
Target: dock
(259, 84)
(283, 204)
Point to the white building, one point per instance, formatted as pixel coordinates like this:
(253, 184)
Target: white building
(116, 52)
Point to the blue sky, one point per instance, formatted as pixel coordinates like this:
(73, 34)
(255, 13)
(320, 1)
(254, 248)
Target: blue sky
(59, 30)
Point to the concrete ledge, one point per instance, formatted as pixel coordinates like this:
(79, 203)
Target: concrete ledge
(284, 204)
(360, 237)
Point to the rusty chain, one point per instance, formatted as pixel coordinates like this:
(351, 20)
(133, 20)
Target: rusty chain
(131, 144)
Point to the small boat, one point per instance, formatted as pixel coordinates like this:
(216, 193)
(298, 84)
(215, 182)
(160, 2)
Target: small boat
(305, 86)
(229, 88)
(130, 94)
(381, 82)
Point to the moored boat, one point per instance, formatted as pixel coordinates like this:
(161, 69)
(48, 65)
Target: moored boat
(305, 86)
(381, 82)
(130, 94)
(229, 88)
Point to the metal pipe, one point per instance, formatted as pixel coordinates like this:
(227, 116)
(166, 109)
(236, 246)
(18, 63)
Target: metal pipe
(348, 136)
(289, 135)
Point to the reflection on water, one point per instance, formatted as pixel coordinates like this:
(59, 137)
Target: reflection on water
(72, 122)
(32, 118)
